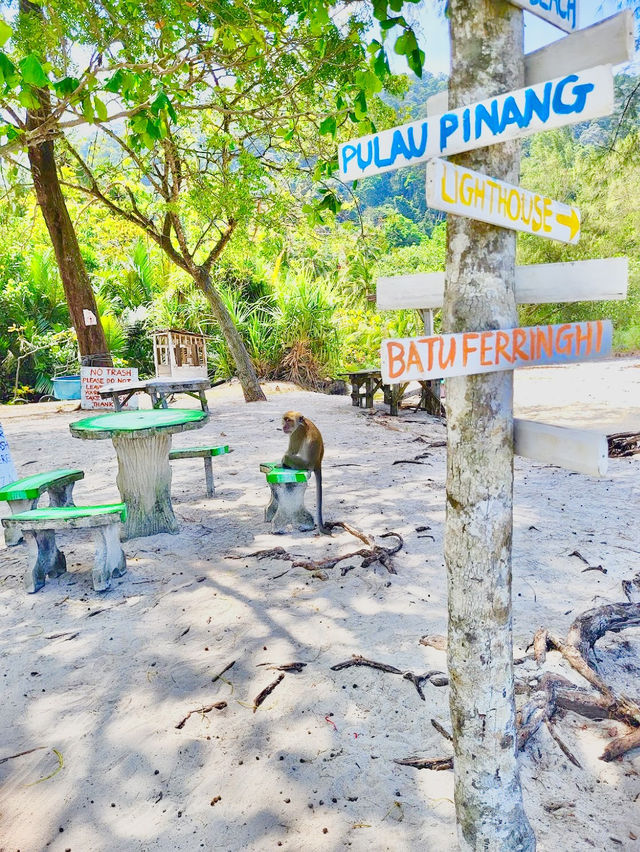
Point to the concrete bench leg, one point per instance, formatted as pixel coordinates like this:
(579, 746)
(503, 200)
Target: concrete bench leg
(45, 559)
(287, 507)
(13, 535)
(208, 475)
(61, 495)
(109, 559)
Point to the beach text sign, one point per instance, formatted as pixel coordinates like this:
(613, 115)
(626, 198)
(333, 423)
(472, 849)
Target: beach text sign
(93, 378)
(459, 190)
(554, 103)
(471, 352)
(561, 13)
(7, 470)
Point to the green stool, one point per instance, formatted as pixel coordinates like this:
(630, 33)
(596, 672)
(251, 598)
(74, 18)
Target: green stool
(39, 528)
(286, 506)
(206, 454)
(23, 494)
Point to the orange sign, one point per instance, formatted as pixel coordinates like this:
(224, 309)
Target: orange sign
(417, 358)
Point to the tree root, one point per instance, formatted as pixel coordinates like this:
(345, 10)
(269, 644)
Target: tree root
(435, 677)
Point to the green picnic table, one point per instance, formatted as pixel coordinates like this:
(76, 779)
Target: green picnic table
(142, 440)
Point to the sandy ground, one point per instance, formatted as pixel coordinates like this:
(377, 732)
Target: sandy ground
(95, 684)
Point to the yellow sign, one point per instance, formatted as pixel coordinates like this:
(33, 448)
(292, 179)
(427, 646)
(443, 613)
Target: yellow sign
(464, 192)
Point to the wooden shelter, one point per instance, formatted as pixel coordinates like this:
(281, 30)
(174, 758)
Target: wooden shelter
(179, 354)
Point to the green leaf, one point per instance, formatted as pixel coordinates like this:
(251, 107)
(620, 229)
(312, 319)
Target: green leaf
(381, 65)
(328, 126)
(114, 83)
(87, 109)
(396, 5)
(380, 9)
(28, 99)
(65, 87)
(369, 82)
(415, 61)
(8, 74)
(329, 202)
(32, 71)
(100, 109)
(5, 32)
(360, 105)
(392, 22)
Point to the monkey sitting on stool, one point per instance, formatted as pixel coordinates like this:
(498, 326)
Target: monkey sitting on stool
(305, 452)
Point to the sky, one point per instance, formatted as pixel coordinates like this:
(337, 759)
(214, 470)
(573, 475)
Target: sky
(434, 35)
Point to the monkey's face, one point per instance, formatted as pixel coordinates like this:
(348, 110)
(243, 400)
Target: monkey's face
(290, 421)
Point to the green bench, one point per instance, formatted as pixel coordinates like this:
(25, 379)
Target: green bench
(39, 528)
(24, 494)
(206, 454)
(286, 505)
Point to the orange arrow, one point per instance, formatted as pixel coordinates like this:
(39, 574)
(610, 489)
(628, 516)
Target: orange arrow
(572, 221)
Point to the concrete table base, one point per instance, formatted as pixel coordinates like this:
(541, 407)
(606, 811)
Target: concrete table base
(144, 483)
(286, 507)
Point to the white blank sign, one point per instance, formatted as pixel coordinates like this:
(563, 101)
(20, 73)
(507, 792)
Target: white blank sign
(537, 284)
(573, 449)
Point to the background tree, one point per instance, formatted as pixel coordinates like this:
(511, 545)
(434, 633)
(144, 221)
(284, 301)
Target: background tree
(30, 39)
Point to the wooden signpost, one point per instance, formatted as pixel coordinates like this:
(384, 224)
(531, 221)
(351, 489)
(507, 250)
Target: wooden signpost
(481, 431)
(608, 42)
(580, 450)
(555, 103)
(455, 189)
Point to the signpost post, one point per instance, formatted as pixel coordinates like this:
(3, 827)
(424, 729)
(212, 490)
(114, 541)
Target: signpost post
(7, 470)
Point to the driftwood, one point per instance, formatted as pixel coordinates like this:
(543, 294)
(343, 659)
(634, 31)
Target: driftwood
(554, 692)
(577, 650)
(435, 677)
(20, 754)
(260, 697)
(218, 705)
(623, 444)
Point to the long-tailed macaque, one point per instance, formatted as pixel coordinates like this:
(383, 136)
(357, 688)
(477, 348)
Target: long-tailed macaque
(305, 452)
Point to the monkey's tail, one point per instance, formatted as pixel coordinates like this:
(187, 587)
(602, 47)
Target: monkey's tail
(319, 521)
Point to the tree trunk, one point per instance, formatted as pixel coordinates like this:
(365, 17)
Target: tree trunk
(75, 280)
(246, 371)
(487, 59)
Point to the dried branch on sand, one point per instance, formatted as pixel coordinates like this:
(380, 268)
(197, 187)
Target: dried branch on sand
(435, 677)
(218, 705)
(260, 697)
(371, 553)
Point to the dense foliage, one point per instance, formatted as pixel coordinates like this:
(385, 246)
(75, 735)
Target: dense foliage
(299, 282)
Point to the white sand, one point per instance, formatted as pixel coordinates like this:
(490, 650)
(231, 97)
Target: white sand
(98, 682)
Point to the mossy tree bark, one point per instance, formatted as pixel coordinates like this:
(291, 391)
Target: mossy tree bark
(487, 59)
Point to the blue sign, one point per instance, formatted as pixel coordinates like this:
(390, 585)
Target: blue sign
(566, 100)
